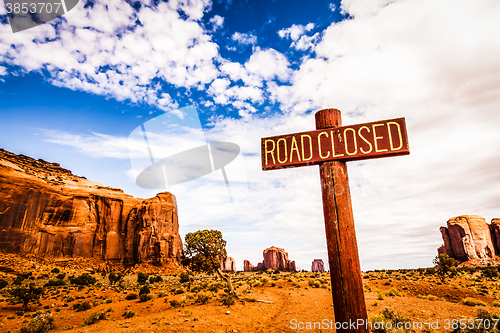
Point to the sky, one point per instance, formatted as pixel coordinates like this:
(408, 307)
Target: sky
(76, 89)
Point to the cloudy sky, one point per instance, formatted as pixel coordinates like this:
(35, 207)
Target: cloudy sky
(74, 90)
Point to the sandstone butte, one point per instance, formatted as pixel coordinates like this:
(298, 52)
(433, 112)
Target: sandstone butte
(47, 211)
(228, 264)
(274, 259)
(470, 238)
(317, 266)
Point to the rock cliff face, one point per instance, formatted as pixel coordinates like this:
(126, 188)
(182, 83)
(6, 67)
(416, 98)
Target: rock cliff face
(317, 265)
(47, 211)
(228, 264)
(469, 237)
(274, 259)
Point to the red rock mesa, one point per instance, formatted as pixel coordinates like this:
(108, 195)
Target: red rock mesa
(317, 266)
(47, 211)
(274, 259)
(470, 238)
(228, 264)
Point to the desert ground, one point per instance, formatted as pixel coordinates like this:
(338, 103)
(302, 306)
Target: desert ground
(81, 300)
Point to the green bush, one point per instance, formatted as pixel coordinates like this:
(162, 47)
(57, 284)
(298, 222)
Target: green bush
(203, 298)
(131, 296)
(228, 299)
(40, 324)
(128, 314)
(84, 280)
(55, 270)
(379, 321)
(472, 301)
(485, 322)
(115, 277)
(61, 276)
(55, 283)
(94, 318)
(3, 283)
(27, 294)
(146, 297)
(156, 278)
(184, 277)
(144, 290)
(142, 278)
(82, 306)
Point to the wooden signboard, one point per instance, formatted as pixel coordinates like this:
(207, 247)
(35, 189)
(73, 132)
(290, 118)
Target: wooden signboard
(330, 146)
(348, 143)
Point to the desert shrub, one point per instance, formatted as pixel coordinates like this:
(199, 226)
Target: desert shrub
(55, 270)
(495, 304)
(142, 278)
(162, 294)
(485, 322)
(203, 298)
(84, 280)
(27, 294)
(196, 289)
(70, 299)
(175, 303)
(109, 300)
(446, 266)
(19, 279)
(94, 318)
(55, 283)
(428, 297)
(228, 299)
(156, 278)
(144, 290)
(317, 284)
(379, 322)
(472, 301)
(380, 294)
(367, 288)
(276, 272)
(40, 324)
(131, 296)
(82, 306)
(214, 287)
(3, 283)
(430, 271)
(393, 292)
(128, 314)
(178, 291)
(146, 297)
(61, 276)
(489, 272)
(264, 280)
(183, 277)
(115, 277)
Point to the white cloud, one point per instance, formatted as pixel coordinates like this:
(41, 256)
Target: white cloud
(248, 39)
(85, 53)
(300, 40)
(217, 22)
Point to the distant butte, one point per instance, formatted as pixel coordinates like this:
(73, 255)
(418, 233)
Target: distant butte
(274, 259)
(468, 238)
(47, 211)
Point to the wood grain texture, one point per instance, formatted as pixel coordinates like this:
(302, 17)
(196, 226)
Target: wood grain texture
(345, 272)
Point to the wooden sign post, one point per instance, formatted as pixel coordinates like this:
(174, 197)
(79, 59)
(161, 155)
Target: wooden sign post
(331, 146)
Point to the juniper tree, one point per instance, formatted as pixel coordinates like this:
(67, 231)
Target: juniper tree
(203, 251)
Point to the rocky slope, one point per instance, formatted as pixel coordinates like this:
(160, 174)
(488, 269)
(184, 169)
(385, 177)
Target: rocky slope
(470, 238)
(274, 259)
(45, 210)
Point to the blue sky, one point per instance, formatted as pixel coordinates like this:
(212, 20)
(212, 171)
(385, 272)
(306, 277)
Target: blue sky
(74, 89)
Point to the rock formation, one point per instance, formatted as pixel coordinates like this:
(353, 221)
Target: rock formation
(469, 237)
(47, 211)
(317, 266)
(274, 259)
(228, 264)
